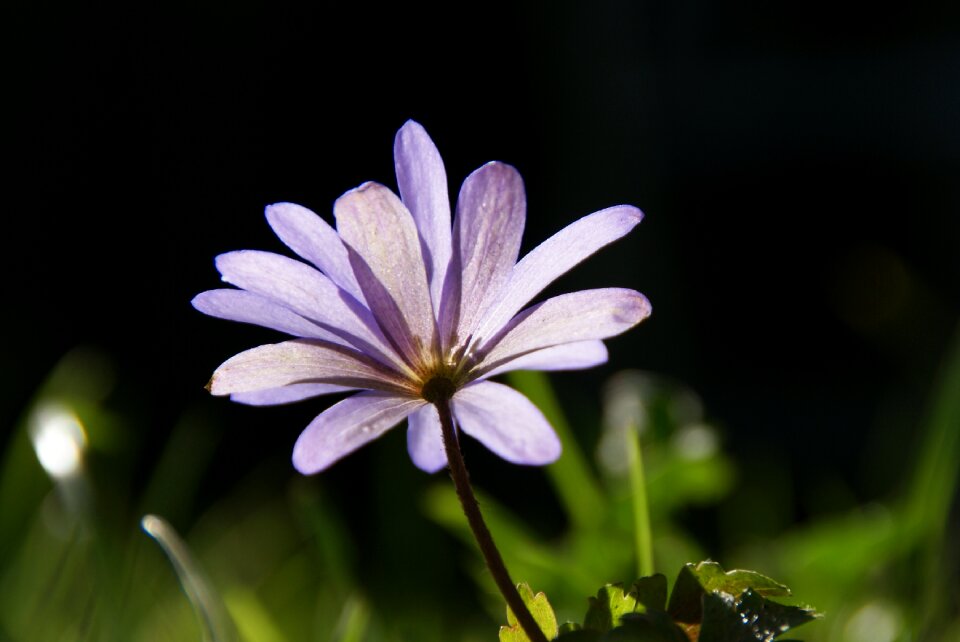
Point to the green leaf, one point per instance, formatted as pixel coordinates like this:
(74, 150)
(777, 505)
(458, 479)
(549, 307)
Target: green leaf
(580, 635)
(608, 607)
(653, 626)
(651, 591)
(685, 601)
(709, 577)
(631, 634)
(712, 578)
(542, 614)
(748, 618)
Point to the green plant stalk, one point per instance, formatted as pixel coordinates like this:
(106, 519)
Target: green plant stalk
(468, 501)
(641, 508)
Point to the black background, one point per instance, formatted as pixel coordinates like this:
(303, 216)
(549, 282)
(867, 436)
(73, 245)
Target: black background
(797, 164)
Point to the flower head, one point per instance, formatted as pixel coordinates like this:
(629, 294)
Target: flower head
(397, 304)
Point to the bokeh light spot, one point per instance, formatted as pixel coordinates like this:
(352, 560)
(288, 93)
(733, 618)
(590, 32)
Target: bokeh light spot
(59, 440)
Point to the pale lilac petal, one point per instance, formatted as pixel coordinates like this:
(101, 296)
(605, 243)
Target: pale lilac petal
(553, 258)
(491, 211)
(291, 283)
(567, 356)
(246, 307)
(423, 187)
(425, 439)
(506, 422)
(304, 232)
(578, 316)
(386, 258)
(310, 294)
(301, 361)
(347, 425)
(287, 394)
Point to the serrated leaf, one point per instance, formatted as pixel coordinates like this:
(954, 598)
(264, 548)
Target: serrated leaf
(748, 618)
(624, 634)
(580, 635)
(685, 600)
(708, 577)
(606, 609)
(651, 591)
(713, 578)
(652, 626)
(542, 614)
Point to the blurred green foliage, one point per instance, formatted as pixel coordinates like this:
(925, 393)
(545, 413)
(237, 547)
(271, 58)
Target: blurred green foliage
(267, 565)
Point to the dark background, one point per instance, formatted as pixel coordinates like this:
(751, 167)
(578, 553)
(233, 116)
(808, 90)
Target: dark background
(797, 164)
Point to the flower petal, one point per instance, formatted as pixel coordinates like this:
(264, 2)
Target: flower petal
(425, 439)
(567, 356)
(386, 258)
(310, 294)
(506, 422)
(311, 237)
(301, 361)
(347, 425)
(577, 316)
(553, 258)
(491, 212)
(287, 394)
(246, 307)
(423, 187)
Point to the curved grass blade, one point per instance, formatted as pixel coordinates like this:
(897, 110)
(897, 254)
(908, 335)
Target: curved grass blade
(217, 626)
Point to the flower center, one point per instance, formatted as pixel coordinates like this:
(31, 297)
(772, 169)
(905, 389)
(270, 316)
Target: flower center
(437, 388)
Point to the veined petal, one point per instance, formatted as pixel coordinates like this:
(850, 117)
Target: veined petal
(311, 237)
(577, 316)
(347, 425)
(491, 212)
(553, 258)
(386, 258)
(310, 294)
(247, 307)
(301, 361)
(506, 422)
(423, 187)
(287, 394)
(567, 356)
(425, 439)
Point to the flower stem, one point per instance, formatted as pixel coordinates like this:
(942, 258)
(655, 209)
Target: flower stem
(461, 481)
(641, 511)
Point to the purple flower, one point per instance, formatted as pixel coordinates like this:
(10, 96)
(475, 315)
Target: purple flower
(404, 308)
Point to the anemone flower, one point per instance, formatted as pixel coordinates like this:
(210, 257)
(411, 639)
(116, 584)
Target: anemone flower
(408, 310)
